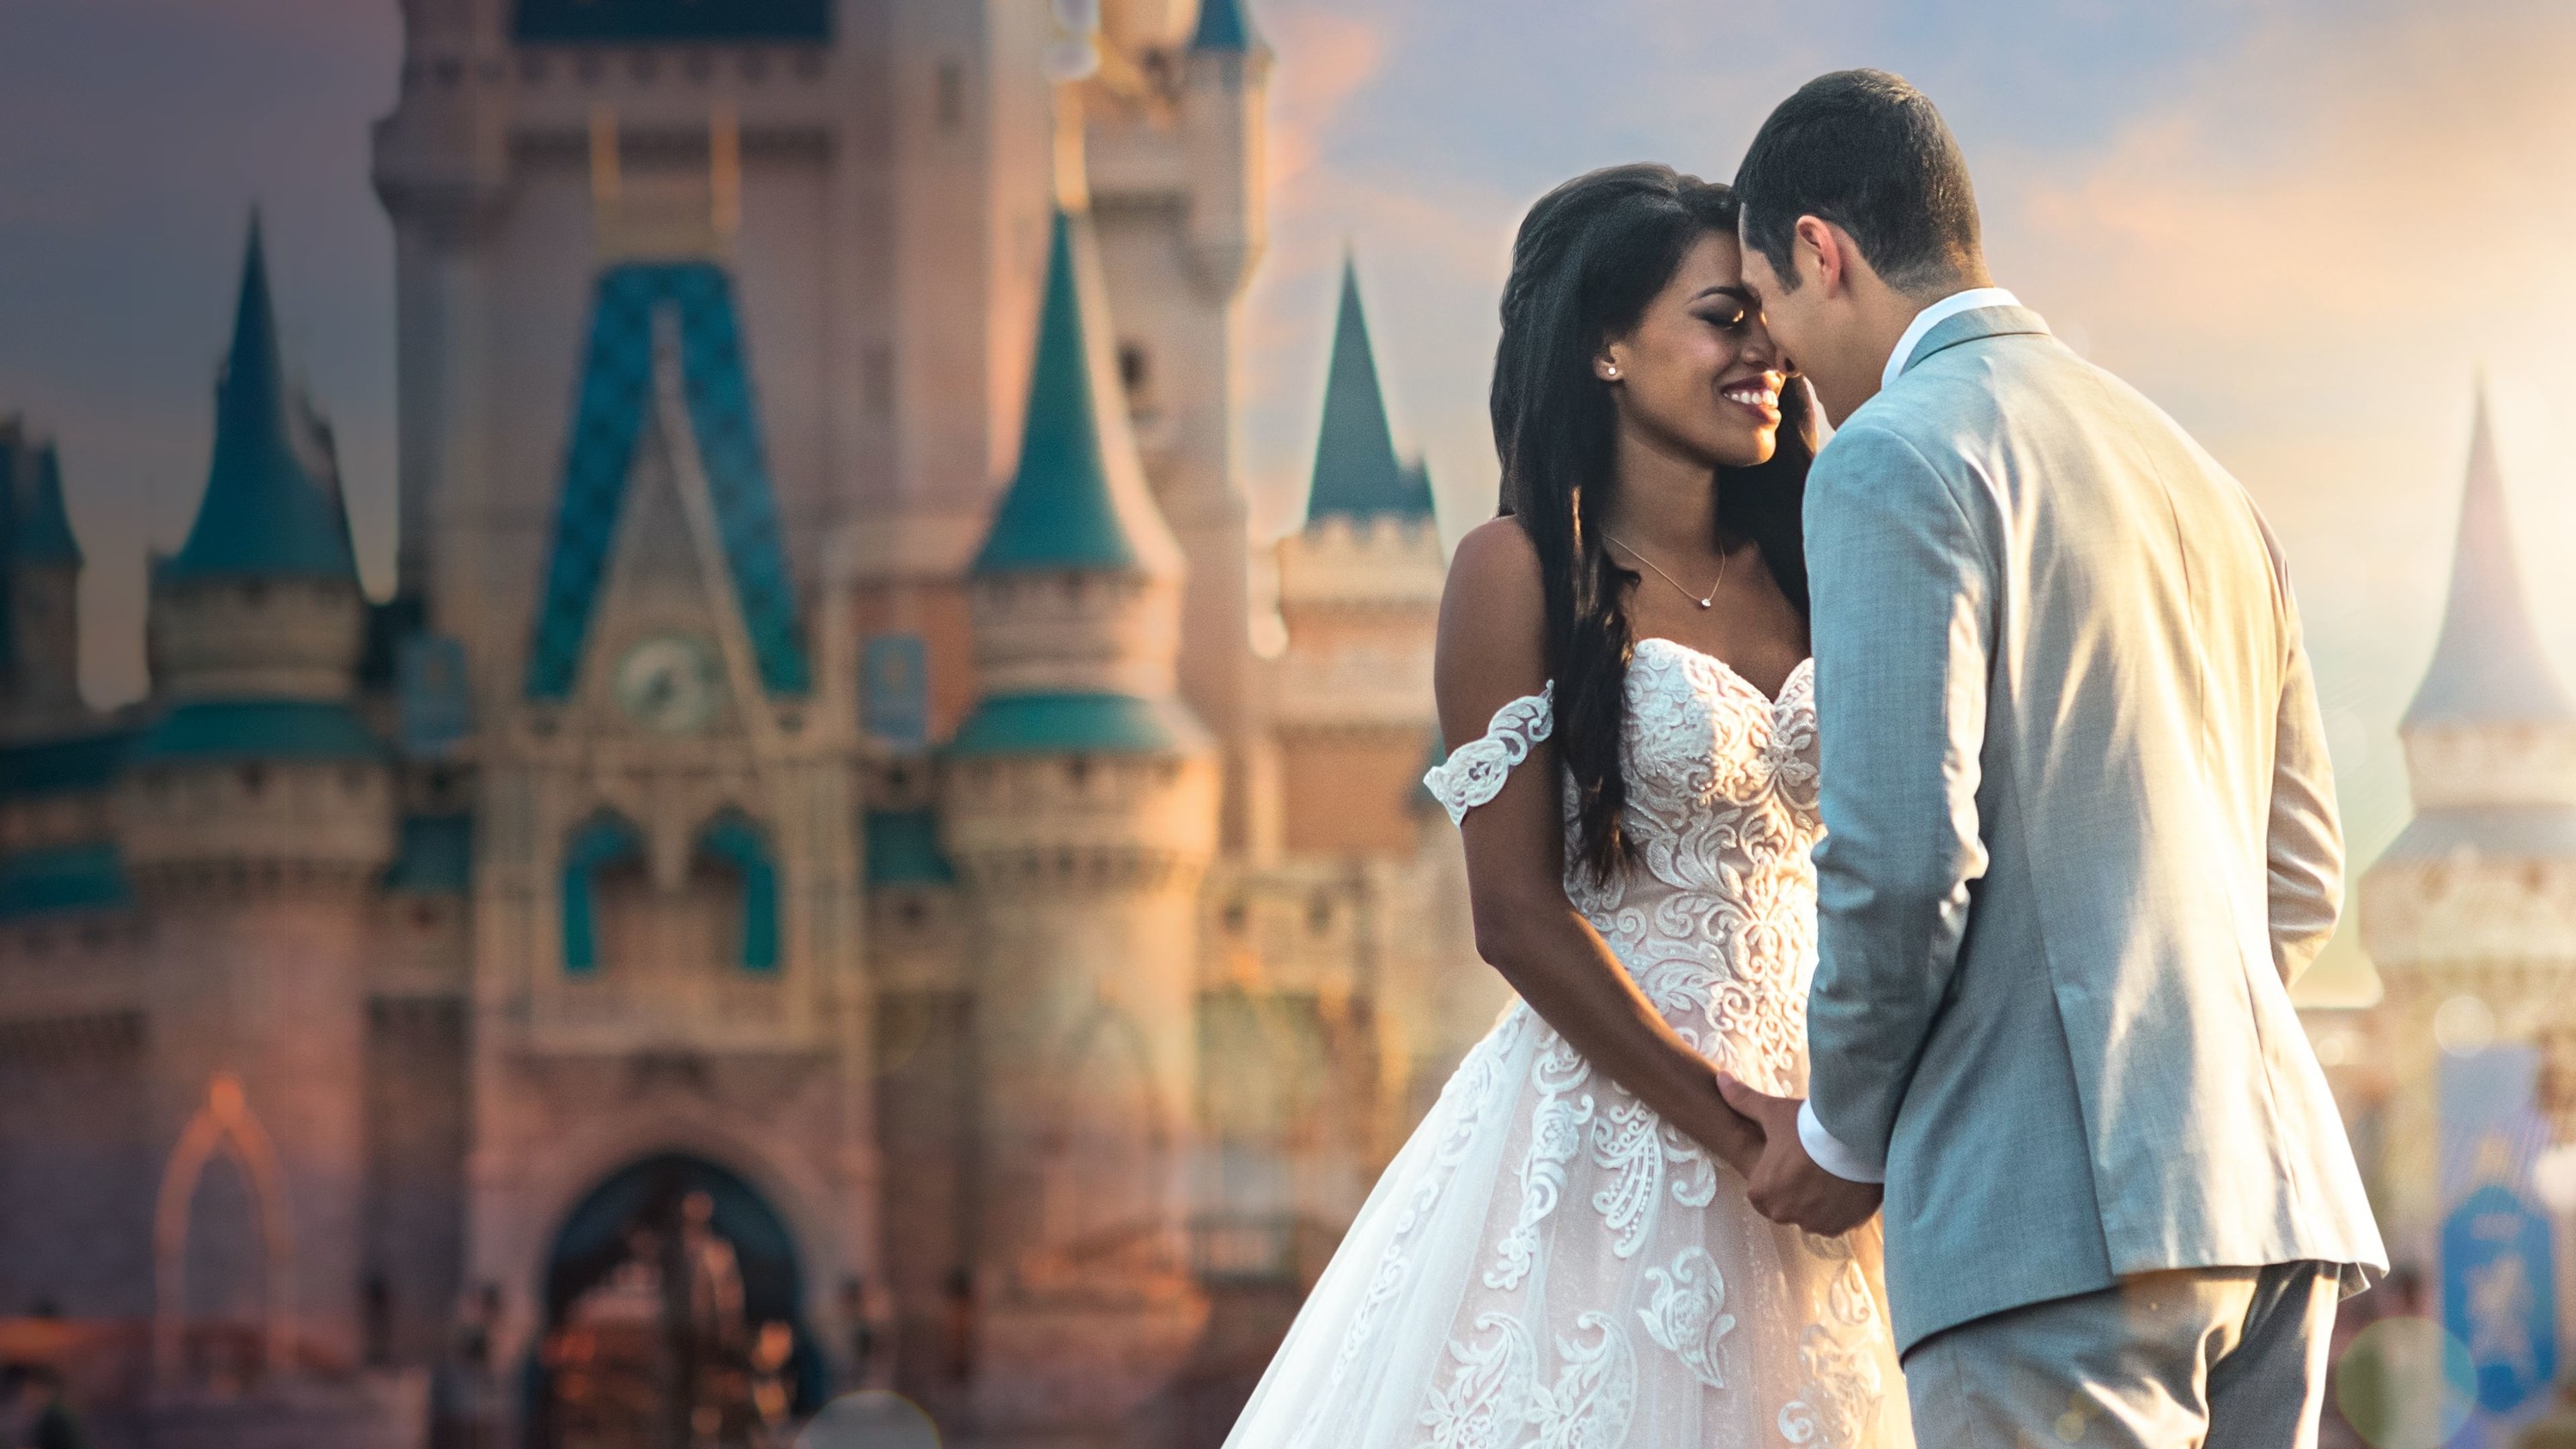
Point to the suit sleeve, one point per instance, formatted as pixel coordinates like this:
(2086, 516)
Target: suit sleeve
(1903, 628)
(2303, 838)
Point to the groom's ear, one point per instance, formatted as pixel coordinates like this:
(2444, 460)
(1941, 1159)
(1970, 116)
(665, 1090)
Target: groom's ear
(1824, 249)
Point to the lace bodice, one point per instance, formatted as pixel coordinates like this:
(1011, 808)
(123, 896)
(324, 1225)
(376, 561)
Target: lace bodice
(1715, 915)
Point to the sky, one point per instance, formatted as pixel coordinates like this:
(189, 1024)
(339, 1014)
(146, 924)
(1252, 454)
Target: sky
(2301, 226)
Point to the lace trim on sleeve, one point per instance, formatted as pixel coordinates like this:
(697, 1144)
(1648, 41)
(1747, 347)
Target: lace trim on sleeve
(1475, 771)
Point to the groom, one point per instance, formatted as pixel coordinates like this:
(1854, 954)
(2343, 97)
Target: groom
(2081, 837)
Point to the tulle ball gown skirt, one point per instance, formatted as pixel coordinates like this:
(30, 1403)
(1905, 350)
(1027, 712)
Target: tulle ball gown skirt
(1546, 1264)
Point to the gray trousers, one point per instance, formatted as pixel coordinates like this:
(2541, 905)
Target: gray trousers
(2209, 1358)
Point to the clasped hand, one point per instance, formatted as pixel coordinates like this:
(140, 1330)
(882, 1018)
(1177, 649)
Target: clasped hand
(1785, 1184)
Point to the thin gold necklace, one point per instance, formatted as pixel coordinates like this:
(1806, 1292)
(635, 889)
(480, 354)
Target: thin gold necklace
(1703, 600)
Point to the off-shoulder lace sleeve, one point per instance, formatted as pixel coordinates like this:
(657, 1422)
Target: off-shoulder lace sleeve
(1475, 771)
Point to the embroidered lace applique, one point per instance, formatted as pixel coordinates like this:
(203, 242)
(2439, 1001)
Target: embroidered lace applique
(1474, 772)
(1457, 1117)
(1688, 1312)
(1496, 1394)
(1556, 1134)
(1842, 1396)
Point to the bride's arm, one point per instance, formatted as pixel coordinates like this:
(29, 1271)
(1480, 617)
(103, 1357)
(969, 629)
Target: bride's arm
(1492, 652)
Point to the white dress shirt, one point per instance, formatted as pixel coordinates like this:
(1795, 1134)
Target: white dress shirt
(1828, 1151)
(1933, 316)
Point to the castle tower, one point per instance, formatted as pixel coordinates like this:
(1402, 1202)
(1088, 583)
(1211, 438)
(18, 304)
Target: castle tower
(674, 288)
(1179, 207)
(1351, 705)
(1359, 591)
(256, 811)
(40, 564)
(1225, 87)
(889, 204)
(2472, 911)
(442, 171)
(1080, 807)
(665, 884)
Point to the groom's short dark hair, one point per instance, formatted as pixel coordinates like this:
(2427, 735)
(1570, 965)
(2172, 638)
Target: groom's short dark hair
(1866, 151)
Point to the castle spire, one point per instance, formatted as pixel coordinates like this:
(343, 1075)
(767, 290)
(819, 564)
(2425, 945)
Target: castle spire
(2488, 666)
(1081, 817)
(41, 532)
(1357, 474)
(1077, 500)
(1224, 27)
(264, 513)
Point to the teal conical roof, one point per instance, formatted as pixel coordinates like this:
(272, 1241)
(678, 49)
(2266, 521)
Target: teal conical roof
(34, 530)
(265, 514)
(1357, 474)
(615, 393)
(42, 532)
(2488, 667)
(1223, 26)
(663, 22)
(1078, 498)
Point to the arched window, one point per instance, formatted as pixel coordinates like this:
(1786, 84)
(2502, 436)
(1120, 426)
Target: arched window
(223, 1130)
(607, 840)
(1107, 1163)
(735, 841)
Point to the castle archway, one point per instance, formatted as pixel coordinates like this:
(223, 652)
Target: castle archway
(672, 1314)
(224, 1127)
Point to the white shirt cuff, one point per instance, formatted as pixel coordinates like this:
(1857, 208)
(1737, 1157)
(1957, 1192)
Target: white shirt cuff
(1829, 1152)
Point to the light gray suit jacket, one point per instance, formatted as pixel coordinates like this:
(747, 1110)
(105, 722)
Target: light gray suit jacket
(2080, 838)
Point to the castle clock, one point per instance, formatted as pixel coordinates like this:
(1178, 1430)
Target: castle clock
(669, 684)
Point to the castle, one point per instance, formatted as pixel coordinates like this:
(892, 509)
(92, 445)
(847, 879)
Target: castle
(841, 862)
(2460, 1082)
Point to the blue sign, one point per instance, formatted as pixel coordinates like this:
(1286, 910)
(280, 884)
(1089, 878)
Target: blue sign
(433, 705)
(894, 690)
(2491, 1127)
(2499, 1276)
(2500, 1295)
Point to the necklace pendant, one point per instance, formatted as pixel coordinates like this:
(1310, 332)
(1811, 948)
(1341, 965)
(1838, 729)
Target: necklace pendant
(1708, 602)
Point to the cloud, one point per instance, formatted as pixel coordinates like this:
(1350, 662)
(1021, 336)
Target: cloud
(1428, 247)
(1324, 58)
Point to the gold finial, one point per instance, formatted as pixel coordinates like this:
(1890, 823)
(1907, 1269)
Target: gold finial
(603, 158)
(724, 169)
(1072, 60)
(659, 214)
(1072, 172)
(224, 1097)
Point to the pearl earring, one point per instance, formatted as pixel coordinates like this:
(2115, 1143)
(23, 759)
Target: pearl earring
(1609, 370)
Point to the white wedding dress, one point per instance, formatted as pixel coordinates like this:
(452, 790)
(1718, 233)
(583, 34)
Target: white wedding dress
(1545, 1263)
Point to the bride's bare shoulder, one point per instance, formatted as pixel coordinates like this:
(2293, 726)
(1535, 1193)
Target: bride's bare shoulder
(1495, 555)
(1493, 622)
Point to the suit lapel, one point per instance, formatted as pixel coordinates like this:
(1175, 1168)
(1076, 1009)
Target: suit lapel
(1975, 325)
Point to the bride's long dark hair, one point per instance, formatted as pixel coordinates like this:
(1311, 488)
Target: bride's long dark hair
(1590, 256)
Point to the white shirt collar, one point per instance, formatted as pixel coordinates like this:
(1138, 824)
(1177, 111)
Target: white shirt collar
(1933, 316)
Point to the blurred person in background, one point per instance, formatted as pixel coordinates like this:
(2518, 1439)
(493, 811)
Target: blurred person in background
(37, 1412)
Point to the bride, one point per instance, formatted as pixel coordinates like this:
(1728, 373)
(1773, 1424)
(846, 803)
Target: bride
(1562, 1255)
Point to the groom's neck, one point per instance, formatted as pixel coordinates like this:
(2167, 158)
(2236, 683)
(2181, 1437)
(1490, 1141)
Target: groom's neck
(1883, 313)
(1878, 317)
